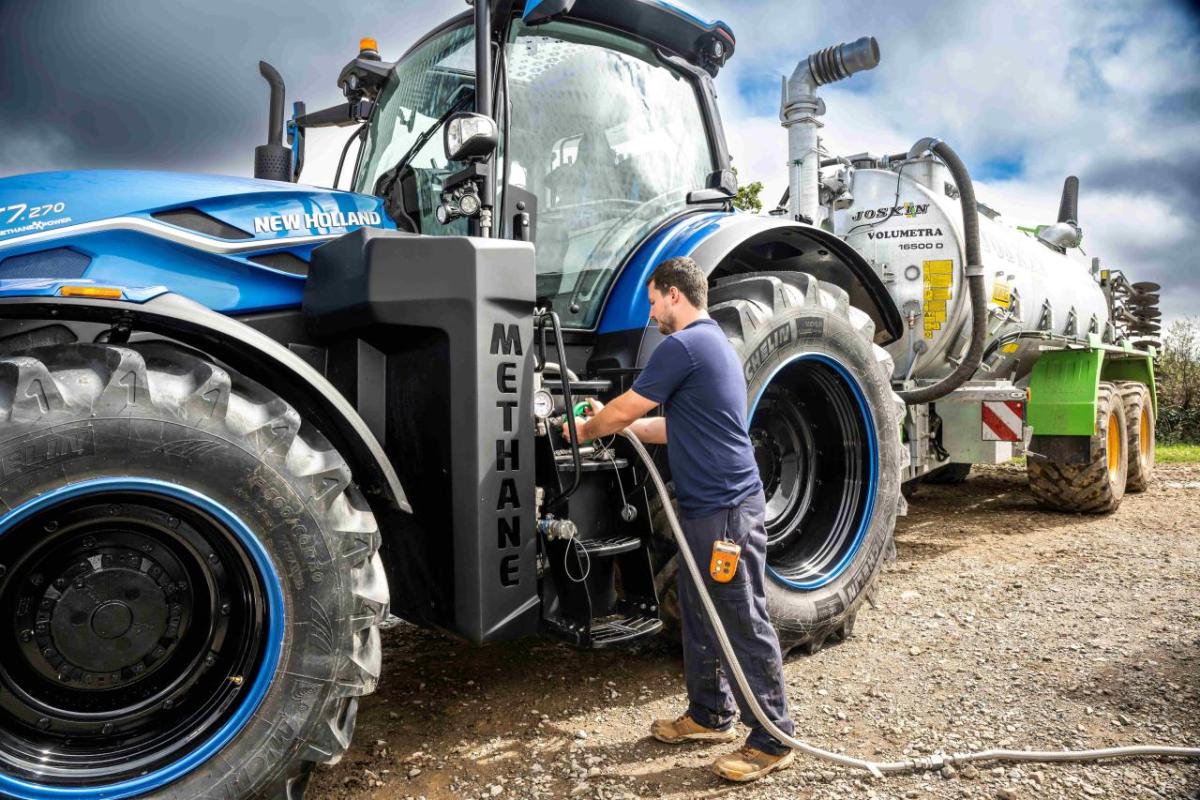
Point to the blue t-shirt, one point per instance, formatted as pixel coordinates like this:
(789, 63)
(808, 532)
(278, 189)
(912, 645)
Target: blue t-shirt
(695, 374)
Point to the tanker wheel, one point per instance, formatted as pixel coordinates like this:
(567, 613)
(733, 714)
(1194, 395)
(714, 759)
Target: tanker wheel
(1139, 420)
(1098, 486)
(191, 590)
(825, 426)
(949, 474)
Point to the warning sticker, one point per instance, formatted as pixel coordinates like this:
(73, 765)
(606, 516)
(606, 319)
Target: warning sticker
(939, 290)
(1001, 293)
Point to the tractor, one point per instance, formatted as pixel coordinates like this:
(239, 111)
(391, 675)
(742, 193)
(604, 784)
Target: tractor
(243, 420)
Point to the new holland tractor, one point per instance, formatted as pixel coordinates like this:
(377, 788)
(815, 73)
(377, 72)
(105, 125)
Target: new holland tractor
(240, 419)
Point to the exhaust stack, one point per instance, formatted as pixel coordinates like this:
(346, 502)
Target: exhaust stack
(273, 160)
(799, 108)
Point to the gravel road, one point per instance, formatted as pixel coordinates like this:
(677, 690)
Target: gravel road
(999, 625)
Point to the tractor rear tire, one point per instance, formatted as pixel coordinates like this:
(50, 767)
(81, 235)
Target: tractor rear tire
(205, 580)
(1098, 486)
(826, 427)
(1139, 421)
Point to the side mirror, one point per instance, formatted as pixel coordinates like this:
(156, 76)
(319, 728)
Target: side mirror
(470, 137)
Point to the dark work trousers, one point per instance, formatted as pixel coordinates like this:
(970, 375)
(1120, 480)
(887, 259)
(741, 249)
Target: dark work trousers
(742, 606)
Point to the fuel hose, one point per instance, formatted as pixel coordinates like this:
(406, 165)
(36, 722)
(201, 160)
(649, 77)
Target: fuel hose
(877, 768)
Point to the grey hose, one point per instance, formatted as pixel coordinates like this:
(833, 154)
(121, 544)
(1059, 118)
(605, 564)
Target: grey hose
(973, 271)
(877, 768)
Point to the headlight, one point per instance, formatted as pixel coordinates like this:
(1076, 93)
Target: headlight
(470, 137)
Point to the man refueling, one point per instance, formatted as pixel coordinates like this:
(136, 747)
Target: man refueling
(696, 377)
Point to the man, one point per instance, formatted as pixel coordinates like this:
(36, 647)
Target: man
(697, 378)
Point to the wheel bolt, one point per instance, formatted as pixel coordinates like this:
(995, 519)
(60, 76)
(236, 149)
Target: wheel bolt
(212, 558)
(107, 728)
(44, 723)
(168, 705)
(3, 570)
(172, 523)
(48, 652)
(147, 548)
(51, 526)
(61, 583)
(138, 669)
(26, 636)
(114, 509)
(88, 542)
(209, 660)
(225, 609)
(36, 580)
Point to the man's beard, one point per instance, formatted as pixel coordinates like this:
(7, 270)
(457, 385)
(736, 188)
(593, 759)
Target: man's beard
(666, 326)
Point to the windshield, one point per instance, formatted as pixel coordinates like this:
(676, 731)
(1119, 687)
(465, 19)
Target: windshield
(437, 76)
(611, 140)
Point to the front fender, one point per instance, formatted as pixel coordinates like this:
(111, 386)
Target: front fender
(242, 348)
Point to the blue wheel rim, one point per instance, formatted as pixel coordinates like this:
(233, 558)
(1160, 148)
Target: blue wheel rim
(830, 572)
(257, 687)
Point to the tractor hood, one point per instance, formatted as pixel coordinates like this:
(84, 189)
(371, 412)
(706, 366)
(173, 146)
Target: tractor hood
(45, 205)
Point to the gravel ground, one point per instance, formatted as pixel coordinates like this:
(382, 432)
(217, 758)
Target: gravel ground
(999, 625)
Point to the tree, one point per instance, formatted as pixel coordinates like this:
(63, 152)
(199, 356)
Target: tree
(1178, 383)
(747, 197)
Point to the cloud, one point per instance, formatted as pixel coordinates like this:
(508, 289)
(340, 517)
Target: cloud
(149, 85)
(1028, 92)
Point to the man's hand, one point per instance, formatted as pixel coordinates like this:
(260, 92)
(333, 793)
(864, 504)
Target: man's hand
(594, 408)
(606, 420)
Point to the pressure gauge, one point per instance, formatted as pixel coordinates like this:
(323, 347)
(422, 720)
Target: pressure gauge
(543, 403)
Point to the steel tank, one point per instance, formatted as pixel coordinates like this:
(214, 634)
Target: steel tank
(907, 222)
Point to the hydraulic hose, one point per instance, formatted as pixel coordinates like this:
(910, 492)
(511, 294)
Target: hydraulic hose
(877, 768)
(973, 270)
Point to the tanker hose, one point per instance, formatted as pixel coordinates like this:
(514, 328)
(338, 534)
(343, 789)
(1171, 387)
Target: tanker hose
(973, 271)
(876, 768)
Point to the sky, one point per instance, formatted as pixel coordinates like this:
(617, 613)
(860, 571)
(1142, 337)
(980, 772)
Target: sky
(1027, 92)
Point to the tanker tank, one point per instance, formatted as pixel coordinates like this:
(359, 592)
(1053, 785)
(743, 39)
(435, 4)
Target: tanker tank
(907, 222)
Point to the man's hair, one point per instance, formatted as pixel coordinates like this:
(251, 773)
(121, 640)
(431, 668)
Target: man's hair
(685, 275)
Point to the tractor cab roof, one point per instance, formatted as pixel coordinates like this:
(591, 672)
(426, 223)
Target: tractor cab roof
(668, 25)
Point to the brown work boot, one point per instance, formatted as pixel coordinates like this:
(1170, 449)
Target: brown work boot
(750, 764)
(686, 729)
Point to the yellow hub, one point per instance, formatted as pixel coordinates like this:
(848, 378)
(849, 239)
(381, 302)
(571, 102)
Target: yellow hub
(1146, 438)
(1115, 449)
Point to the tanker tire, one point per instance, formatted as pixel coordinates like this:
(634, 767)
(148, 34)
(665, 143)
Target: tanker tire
(819, 320)
(1098, 486)
(949, 474)
(164, 414)
(1140, 428)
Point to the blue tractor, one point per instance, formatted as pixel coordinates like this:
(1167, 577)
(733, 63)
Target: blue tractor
(240, 419)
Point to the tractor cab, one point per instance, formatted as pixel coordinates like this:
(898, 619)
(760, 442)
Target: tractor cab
(604, 135)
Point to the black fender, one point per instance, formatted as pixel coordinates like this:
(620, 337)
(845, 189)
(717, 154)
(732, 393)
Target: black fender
(250, 352)
(771, 244)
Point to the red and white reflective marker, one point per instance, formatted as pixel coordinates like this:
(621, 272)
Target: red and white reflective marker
(1002, 420)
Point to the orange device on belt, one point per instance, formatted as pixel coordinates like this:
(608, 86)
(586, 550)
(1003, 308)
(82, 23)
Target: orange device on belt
(724, 562)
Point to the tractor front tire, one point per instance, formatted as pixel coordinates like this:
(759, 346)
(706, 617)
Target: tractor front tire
(1139, 423)
(192, 589)
(826, 430)
(1097, 486)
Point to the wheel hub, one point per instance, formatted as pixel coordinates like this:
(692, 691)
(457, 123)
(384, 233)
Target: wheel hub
(109, 625)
